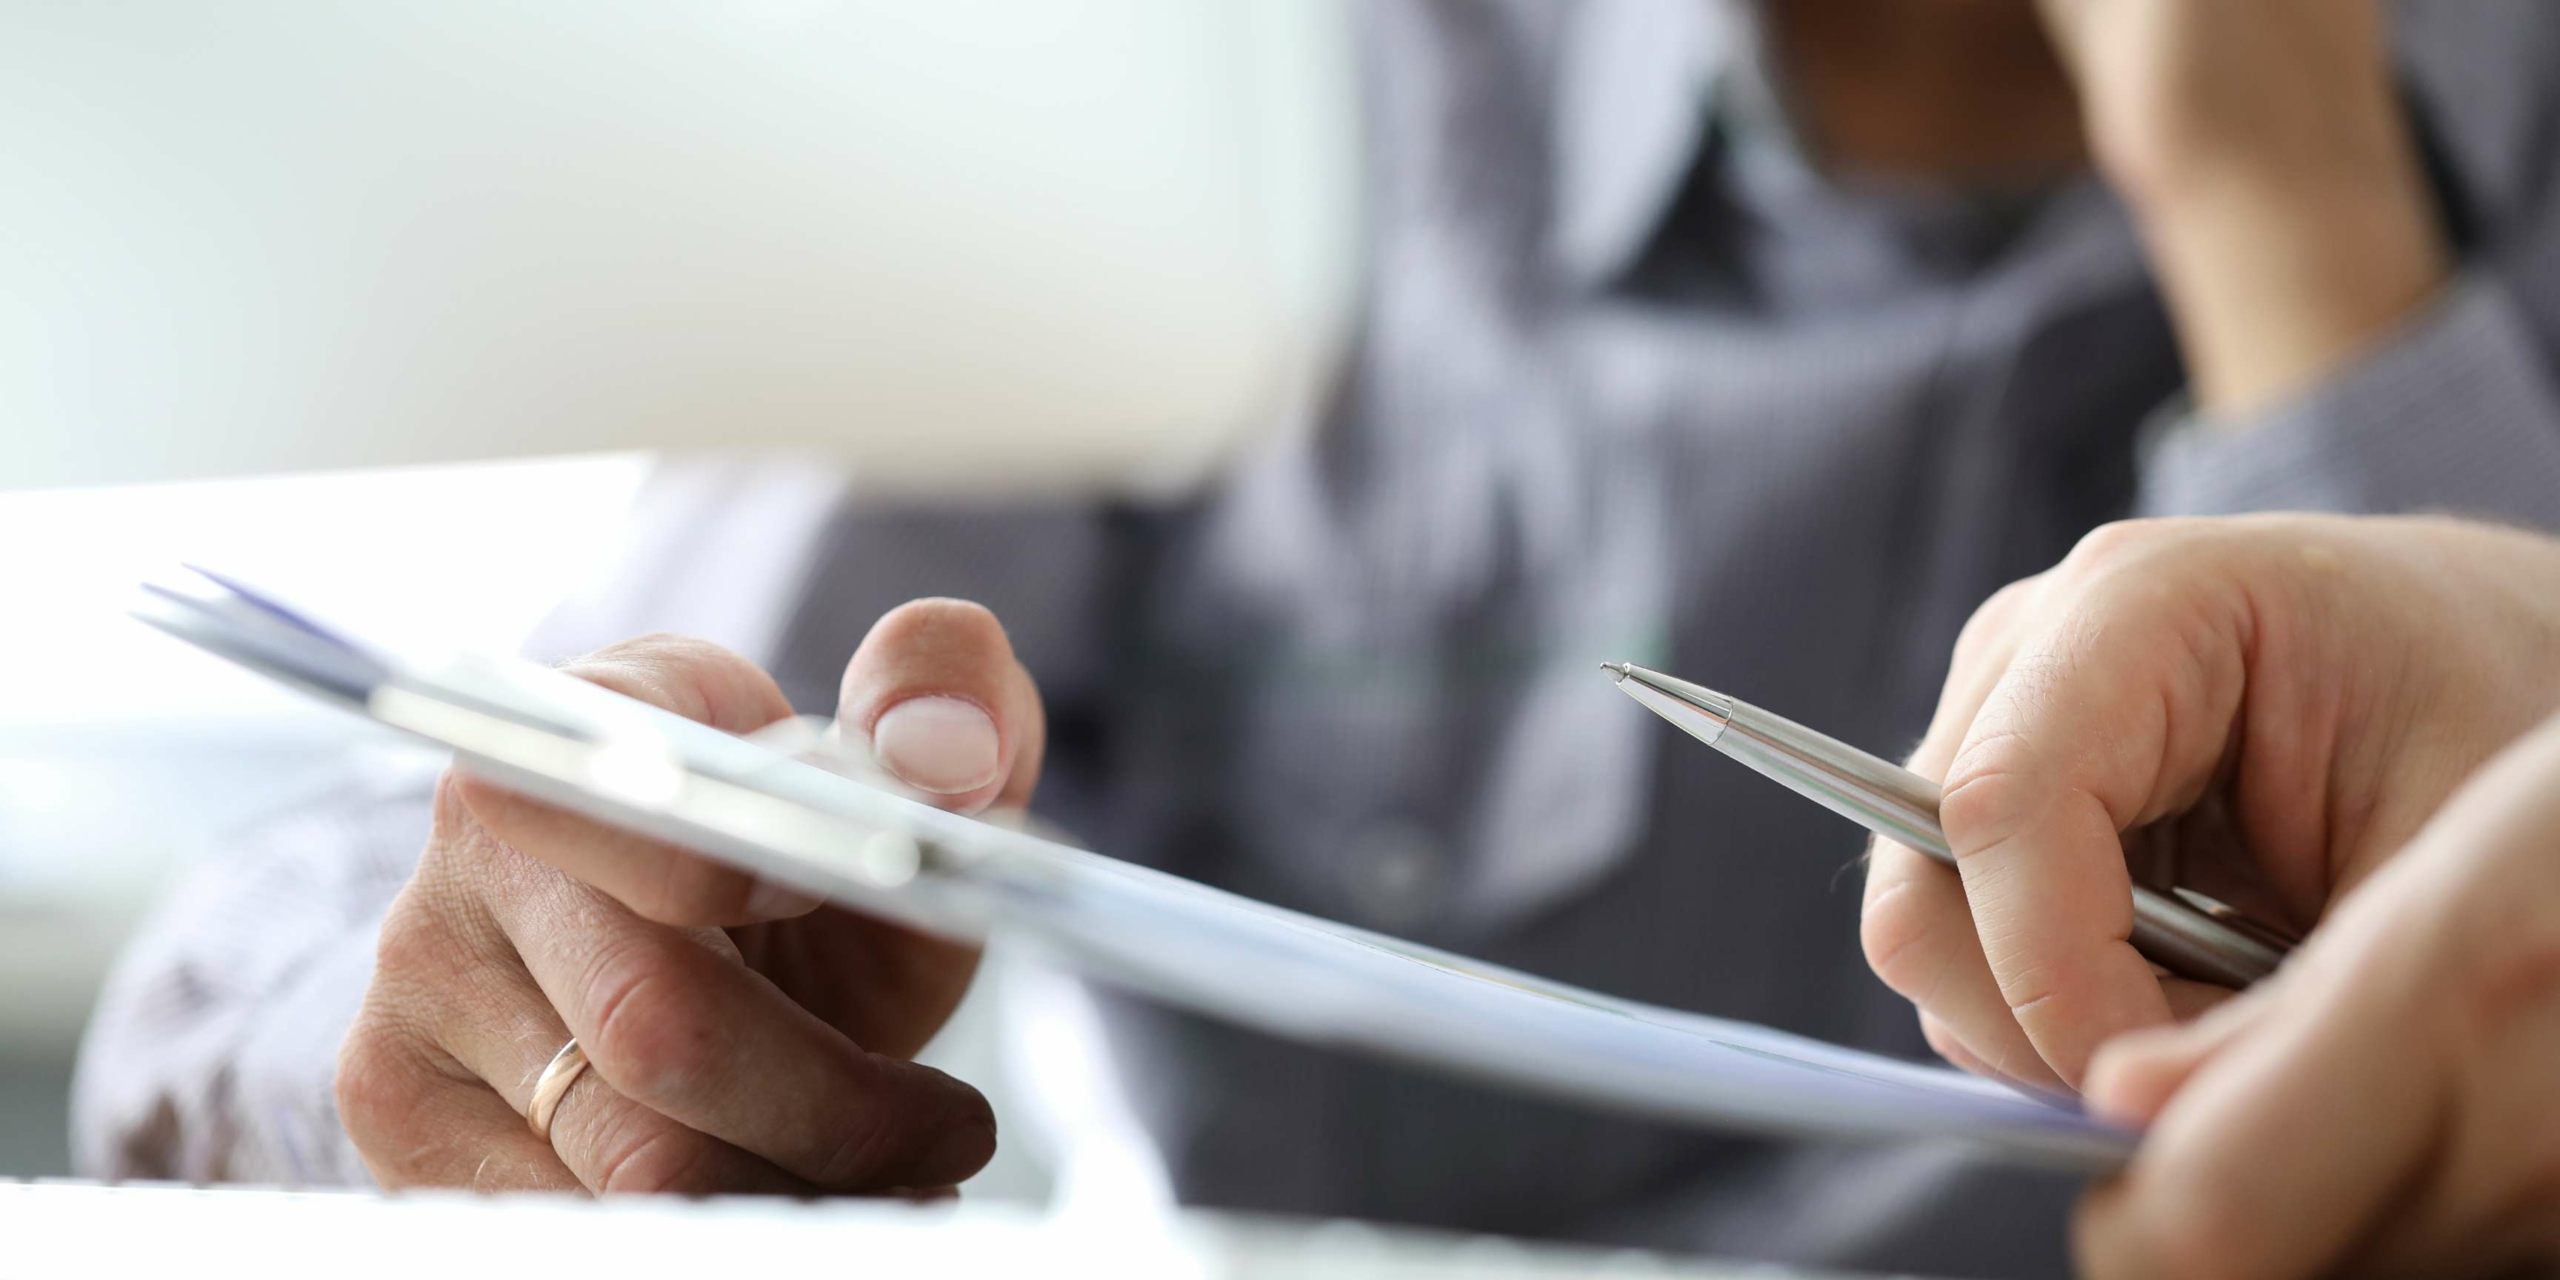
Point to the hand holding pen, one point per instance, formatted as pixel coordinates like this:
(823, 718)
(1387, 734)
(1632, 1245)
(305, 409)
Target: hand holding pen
(2268, 705)
(2295, 706)
(2186, 933)
(2307, 701)
(2213, 729)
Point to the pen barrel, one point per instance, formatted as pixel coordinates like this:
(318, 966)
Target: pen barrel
(1886, 799)
(2192, 944)
(1902, 806)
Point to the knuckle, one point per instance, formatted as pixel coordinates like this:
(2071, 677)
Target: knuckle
(1987, 794)
(369, 1085)
(429, 945)
(462, 855)
(413, 942)
(2113, 549)
(658, 1159)
(378, 1087)
(1992, 619)
(2114, 542)
(647, 1039)
(434, 934)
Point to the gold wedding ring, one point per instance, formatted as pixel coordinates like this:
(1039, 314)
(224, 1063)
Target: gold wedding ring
(553, 1085)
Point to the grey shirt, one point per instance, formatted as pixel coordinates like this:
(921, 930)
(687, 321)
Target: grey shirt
(1633, 381)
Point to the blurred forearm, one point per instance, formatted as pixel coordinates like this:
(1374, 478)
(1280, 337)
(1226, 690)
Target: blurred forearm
(213, 1049)
(2272, 171)
(2275, 287)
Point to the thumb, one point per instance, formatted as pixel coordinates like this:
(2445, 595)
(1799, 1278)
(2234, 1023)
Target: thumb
(945, 707)
(2134, 1076)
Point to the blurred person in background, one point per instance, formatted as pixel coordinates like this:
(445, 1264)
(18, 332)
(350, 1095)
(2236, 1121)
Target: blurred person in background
(1754, 341)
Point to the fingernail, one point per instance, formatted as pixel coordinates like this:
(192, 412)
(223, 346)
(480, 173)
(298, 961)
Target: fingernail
(943, 745)
(767, 900)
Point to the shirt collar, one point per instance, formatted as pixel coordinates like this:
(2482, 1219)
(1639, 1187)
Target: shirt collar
(1637, 83)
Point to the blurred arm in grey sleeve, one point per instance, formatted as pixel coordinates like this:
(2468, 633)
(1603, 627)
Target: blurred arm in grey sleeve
(2455, 408)
(211, 1053)
(2455, 411)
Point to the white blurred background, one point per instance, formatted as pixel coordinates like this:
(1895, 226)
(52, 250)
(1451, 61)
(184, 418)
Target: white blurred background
(122, 752)
(259, 253)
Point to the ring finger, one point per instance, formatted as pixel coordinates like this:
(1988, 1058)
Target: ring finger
(675, 1024)
(605, 1140)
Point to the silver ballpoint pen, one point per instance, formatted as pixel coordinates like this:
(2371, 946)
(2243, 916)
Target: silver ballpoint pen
(2189, 934)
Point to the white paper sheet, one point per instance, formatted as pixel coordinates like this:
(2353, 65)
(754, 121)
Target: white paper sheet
(1283, 972)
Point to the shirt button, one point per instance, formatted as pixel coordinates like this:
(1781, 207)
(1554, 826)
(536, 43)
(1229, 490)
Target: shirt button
(1397, 872)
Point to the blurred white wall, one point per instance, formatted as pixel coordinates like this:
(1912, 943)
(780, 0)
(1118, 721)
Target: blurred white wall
(969, 240)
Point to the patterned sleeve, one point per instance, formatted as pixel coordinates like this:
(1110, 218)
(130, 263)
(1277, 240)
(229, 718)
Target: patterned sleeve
(211, 1054)
(2454, 413)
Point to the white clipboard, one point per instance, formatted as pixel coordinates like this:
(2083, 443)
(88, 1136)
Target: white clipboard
(758, 806)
